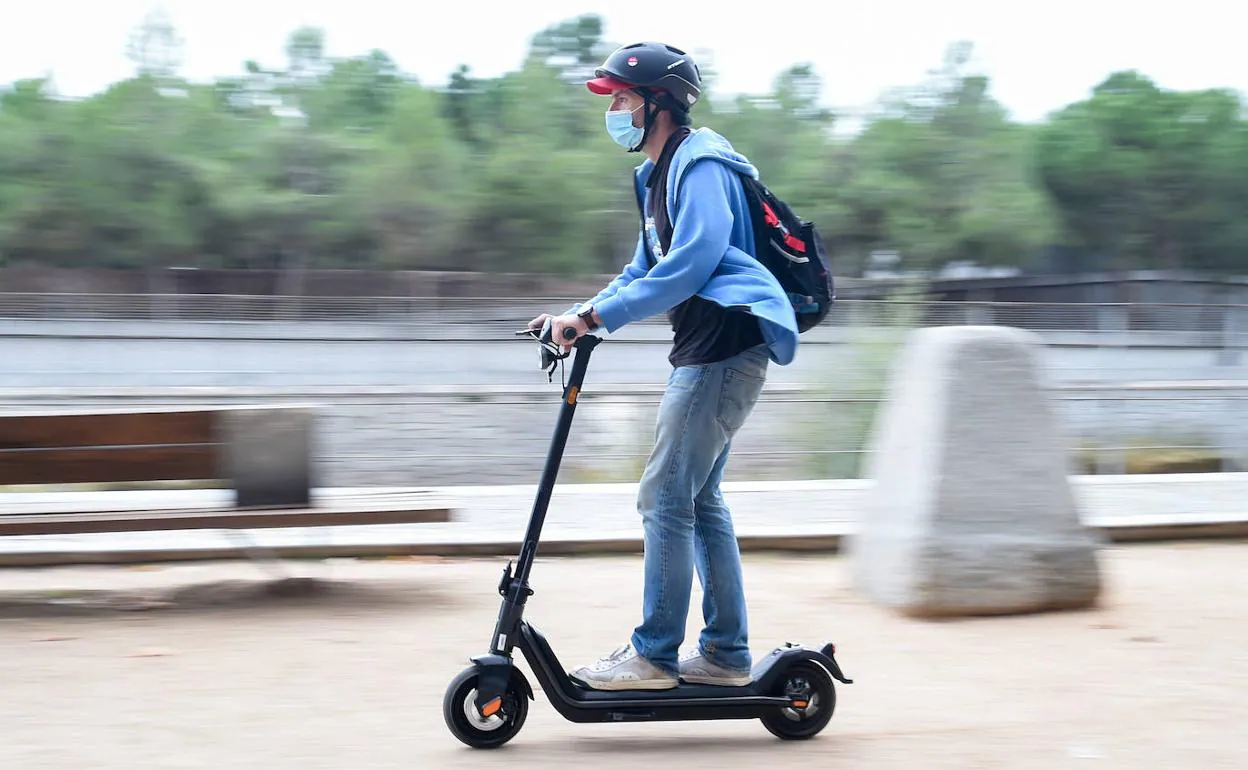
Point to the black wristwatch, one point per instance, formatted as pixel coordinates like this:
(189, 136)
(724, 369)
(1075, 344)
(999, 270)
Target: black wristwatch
(587, 315)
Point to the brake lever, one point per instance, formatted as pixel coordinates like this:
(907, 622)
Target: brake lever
(550, 353)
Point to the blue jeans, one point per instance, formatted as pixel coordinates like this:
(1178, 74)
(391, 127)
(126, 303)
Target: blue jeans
(684, 519)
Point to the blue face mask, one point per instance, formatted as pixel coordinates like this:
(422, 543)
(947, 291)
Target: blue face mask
(620, 127)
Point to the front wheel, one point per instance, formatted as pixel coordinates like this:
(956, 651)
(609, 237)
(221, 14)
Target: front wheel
(468, 725)
(812, 694)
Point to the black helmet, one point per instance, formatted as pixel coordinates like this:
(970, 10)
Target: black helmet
(668, 73)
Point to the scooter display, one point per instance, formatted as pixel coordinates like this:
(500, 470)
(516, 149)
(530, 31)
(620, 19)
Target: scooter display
(791, 692)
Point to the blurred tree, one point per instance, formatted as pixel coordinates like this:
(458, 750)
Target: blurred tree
(155, 46)
(463, 105)
(97, 187)
(356, 94)
(1149, 178)
(941, 175)
(405, 203)
(573, 48)
(346, 162)
(305, 55)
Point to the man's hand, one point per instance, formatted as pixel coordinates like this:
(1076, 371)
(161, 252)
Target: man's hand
(561, 322)
(540, 321)
(557, 325)
(570, 321)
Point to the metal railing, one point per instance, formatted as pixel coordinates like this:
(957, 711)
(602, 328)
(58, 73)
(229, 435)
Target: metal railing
(1214, 322)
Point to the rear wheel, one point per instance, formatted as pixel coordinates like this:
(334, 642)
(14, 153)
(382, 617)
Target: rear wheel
(812, 696)
(468, 725)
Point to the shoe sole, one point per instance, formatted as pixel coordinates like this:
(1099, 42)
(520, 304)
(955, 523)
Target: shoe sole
(627, 685)
(740, 681)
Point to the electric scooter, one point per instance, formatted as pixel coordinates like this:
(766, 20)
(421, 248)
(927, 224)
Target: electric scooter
(485, 706)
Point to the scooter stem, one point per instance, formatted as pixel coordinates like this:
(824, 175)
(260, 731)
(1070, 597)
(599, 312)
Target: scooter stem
(554, 455)
(515, 588)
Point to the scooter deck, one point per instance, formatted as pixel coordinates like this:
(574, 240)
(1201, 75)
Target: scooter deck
(685, 701)
(682, 691)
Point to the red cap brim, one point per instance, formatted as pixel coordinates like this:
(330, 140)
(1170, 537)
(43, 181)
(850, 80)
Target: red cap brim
(607, 86)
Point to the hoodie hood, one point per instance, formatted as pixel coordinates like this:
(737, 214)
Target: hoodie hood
(705, 143)
(702, 143)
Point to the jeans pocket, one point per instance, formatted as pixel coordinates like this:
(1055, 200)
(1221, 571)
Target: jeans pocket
(737, 397)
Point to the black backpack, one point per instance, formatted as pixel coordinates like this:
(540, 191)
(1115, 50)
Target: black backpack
(790, 248)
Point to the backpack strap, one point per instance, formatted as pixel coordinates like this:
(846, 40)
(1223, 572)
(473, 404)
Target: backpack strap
(641, 204)
(641, 214)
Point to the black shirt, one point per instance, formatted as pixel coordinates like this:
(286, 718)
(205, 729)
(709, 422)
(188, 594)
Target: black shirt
(704, 331)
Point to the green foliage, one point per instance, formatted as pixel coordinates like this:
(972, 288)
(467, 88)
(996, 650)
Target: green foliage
(1149, 178)
(350, 163)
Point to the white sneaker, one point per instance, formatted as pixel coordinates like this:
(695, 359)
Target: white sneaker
(624, 669)
(695, 669)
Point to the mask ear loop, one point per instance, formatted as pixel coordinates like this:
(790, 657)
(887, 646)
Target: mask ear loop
(648, 120)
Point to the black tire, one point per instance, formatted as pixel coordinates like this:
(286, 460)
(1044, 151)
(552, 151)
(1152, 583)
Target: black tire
(465, 723)
(810, 681)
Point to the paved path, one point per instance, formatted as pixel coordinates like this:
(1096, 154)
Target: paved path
(351, 677)
(493, 519)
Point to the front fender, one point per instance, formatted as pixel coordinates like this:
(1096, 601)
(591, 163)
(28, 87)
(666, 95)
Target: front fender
(494, 674)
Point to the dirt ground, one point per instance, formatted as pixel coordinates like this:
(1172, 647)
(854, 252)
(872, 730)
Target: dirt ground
(350, 675)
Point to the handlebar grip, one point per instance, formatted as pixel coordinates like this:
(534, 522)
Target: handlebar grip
(569, 333)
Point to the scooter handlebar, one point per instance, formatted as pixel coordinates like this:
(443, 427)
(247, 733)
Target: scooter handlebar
(544, 334)
(550, 352)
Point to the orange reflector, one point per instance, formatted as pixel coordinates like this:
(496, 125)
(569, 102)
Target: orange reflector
(800, 704)
(491, 708)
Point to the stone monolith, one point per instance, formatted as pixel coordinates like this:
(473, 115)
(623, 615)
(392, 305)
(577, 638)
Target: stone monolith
(971, 511)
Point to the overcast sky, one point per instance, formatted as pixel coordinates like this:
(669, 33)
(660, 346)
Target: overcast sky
(1039, 55)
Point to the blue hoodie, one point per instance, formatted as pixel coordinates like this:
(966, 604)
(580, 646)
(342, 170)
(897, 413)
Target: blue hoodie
(711, 249)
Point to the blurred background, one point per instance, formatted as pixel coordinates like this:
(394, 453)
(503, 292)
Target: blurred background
(355, 205)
